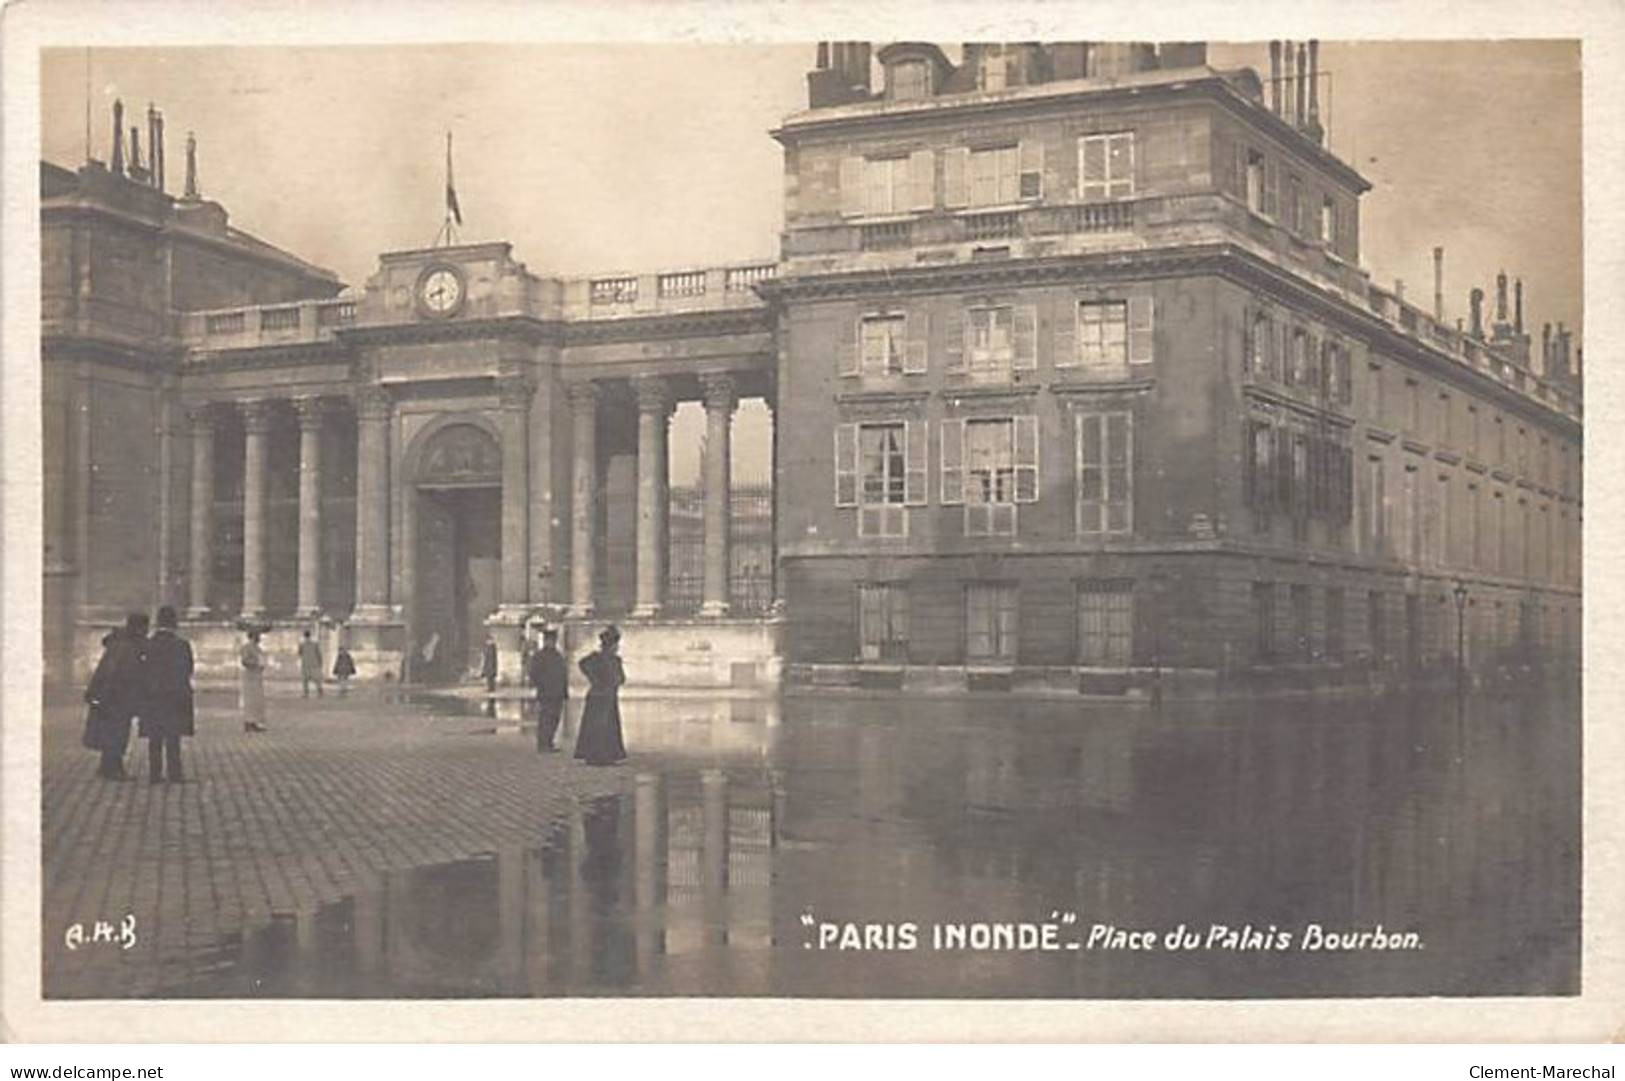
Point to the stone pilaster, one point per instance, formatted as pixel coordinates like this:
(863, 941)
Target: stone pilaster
(372, 408)
(721, 398)
(312, 413)
(583, 497)
(256, 430)
(654, 414)
(201, 418)
(514, 392)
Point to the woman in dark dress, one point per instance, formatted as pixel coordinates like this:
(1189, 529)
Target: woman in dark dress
(599, 742)
(114, 695)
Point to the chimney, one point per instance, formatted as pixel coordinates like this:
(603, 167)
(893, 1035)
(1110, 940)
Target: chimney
(823, 56)
(152, 144)
(1547, 365)
(1275, 77)
(1475, 301)
(857, 54)
(118, 136)
(1316, 132)
(1287, 90)
(1501, 298)
(1399, 289)
(137, 170)
(1517, 307)
(191, 168)
(1438, 284)
(1302, 87)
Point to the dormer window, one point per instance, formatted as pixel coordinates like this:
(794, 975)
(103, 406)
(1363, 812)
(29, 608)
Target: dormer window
(993, 68)
(909, 80)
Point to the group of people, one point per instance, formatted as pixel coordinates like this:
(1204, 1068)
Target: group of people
(145, 677)
(599, 741)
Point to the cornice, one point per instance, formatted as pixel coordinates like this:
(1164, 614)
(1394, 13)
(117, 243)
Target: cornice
(254, 358)
(882, 397)
(674, 325)
(521, 327)
(161, 358)
(1115, 386)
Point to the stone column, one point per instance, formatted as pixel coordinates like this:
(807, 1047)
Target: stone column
(202, 511)
(776, 605)
(721, 397)
(583, 497)
(311, 414)
(372, 408)
(514, 392)
(256, 427)
(654, 411)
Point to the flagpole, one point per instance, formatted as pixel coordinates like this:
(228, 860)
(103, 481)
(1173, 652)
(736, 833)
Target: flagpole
(454, 216)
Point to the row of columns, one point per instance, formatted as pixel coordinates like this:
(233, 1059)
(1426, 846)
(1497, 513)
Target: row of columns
(655, 404)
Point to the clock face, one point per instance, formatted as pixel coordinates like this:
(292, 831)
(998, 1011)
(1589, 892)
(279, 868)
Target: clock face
(441, 291)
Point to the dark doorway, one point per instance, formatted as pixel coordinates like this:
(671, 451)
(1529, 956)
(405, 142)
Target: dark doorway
(459, 574)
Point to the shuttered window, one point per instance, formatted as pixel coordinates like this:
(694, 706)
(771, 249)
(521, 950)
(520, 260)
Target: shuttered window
(1106, 166)
(883, 621)
(1105, 453)
(1106, 622)
(990, 622)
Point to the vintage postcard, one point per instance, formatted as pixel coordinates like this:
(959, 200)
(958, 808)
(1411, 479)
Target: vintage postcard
(859, 529)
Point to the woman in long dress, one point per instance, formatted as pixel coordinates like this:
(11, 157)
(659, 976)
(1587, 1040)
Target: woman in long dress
(251, 689)
(599, 742)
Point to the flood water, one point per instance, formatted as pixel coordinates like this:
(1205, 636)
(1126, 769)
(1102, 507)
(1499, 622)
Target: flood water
(754, 832)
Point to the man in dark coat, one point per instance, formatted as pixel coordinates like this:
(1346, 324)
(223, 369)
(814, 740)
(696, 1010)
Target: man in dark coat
(551, 679)
(114, 694)
(166, 710)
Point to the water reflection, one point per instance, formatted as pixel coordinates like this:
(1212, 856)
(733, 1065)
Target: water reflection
(696, 881)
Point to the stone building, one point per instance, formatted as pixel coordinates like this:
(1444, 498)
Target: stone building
(1075, 379)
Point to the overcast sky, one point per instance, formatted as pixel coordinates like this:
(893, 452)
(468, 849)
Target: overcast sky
(601, 158)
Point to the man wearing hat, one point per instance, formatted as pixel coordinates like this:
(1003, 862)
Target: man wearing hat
(551, 679)
(166, 710)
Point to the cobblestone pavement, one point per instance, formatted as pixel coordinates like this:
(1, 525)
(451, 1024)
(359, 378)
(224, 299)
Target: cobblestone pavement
(339, 791)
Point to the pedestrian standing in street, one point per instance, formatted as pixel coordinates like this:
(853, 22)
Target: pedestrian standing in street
(343, 669)
(310, 665)
(599, 742)
(251, 689)
(114, 693)
(488, 665)
(166, 705)
(551, 678)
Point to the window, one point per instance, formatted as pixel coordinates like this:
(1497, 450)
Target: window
(1442, 517)
(1301, 372)
(1502, 563)
(1257, 352)
(990, 343)
(1500, 441)
(909, 80)
(989, 465)
(1105, 473)
(883, 344)
(1255, 182)
(1376, 626)
(896, 184)
(1413, 515)
(1106, 166)
(1302, 645)
(990, 622)
(993, 68)
(1446, 435)
(1264, 620)
(1334, 623)
(1103, 332)
(1475, 554)
(1472, 430)
(1378, 410)
(1376, 524)
(1294, 204)
(880, 469)
(883, 621)
(1106, 622)
(993, 176)
(886, 182)
(1328, 221)
(1413, 405)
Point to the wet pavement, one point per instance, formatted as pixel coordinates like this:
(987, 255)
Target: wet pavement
(828, 846)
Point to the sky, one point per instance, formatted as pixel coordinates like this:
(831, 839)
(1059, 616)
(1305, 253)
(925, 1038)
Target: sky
(594, 159)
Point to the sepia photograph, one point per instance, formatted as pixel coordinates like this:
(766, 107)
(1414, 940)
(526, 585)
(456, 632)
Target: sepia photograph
(810, 520)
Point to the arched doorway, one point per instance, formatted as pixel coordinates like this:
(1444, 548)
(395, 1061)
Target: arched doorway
(458, 569)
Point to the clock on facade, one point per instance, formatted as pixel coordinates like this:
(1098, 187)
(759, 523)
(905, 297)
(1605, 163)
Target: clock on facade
(440, 291)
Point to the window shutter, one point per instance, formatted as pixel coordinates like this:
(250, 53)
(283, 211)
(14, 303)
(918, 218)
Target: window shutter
(1140, 349)
(956, 176)
(953, 461)
(1271, 179)
(846, 465)
(1031, 183)
(853, 193)
(1026, 454)
(953, 339)
(922, 180)
(915, 434)
(1092, 168)
(848, 353)
(1066, 334)
(917, 343)
(1025, 330)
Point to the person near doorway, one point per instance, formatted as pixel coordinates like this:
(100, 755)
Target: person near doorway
(113, 695)
(343, 669)
(166, 705)
(599, 743)
(551, 678)
(251, 687)
(488, 664)
(310, 665)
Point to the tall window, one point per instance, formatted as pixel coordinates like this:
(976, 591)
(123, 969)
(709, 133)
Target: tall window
(1302, 645)
(1328, 221)
(1413, 405)
(994, 176)
(1443, 516)
(1475, 526)
(1376, 626)
(1376, 509)
(1258, 346)
(990, 465)
(1264, 620)
(1106, 166)
(1105, 473)
(1503, 564)
(1302, 371)
(1377, 405)
(880, 469)
(1255, 182)
(1334, 622)
(910, 80)
(1106, 622)
(990, 338)
(884, 344)
(1103, 333)
(1446, 436)
(993, 68)
(990, 621)
(886, 185)
(1294, 204)
(1472, 430)
(883, 621)
(1413, 515)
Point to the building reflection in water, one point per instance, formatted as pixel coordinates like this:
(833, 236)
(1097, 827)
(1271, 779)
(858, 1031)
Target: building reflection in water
(695, 881)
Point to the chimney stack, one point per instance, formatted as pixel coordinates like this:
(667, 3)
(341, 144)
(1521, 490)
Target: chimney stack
(1288, 91)
(191, 167)
(1517, 307)
(1475, 301)
(118, 136)
(1501, 298)
(137, 170)
(1316, 132)
(1438, 284)
(1302, 87)
(1399, 289)
(823, 56)
(1547, 365)
(1275, 77)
